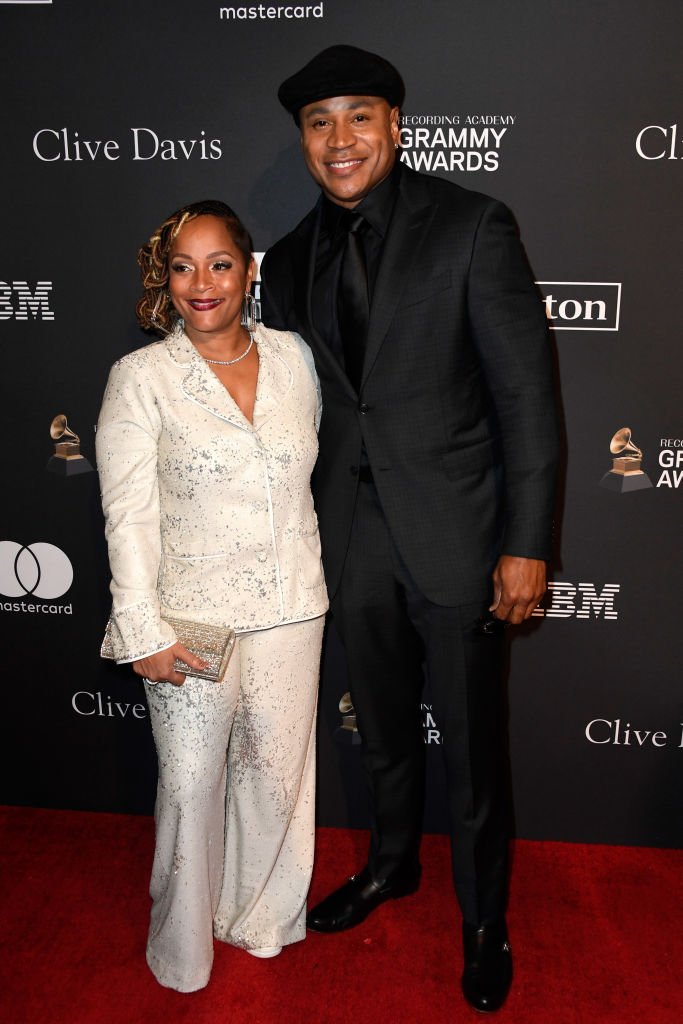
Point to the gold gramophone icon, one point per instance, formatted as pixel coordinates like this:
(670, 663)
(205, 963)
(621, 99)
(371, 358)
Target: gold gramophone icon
(67, 459)
(626, 473)
(347, 733)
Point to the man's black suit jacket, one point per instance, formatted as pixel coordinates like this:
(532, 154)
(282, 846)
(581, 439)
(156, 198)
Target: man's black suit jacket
(456, 406)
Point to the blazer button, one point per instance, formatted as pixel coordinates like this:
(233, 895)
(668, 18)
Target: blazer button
(261, 556)
(363, 409)
(354, 470)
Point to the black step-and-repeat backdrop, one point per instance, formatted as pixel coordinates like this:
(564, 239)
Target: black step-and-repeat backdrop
(572, 113)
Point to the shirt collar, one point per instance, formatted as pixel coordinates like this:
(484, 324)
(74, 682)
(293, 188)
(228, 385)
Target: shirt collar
(376, 207)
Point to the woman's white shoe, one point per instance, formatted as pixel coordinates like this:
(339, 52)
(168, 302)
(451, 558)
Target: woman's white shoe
(265, 951)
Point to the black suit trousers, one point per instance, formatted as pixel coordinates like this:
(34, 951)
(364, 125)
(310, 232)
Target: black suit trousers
(390, 630)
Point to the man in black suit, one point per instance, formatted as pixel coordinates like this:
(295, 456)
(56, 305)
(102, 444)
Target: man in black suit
(434, 484)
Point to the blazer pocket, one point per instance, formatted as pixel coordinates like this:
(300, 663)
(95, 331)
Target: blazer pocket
(426, 289)
(310, 566)
(193, 583)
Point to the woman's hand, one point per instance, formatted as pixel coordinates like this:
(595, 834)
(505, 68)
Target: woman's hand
(158, 668)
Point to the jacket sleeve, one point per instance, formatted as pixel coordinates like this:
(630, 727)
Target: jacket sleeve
(126, 441)
(511, 335)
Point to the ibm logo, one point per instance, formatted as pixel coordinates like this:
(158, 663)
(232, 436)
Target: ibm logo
(579, 601)
(581, 305)
(18, 300)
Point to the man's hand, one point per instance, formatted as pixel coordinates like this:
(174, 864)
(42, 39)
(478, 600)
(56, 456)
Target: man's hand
(518, 586)
(158, 668)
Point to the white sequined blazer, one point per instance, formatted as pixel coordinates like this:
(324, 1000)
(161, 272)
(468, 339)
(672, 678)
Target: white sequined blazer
(209, 517)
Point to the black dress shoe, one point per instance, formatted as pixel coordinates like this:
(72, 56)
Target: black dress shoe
(487, 976)
(351, 904)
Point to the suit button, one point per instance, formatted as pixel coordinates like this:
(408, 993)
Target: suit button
(363, 409)
(354, 470)
(261, 556)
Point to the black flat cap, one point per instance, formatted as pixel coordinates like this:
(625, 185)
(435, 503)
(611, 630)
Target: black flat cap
(341, 71)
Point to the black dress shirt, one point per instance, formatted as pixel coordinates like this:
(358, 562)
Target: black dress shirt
(376, 208)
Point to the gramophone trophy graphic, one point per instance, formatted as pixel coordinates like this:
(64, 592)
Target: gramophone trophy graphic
(67, 459)
(347, 733)
(626, 473)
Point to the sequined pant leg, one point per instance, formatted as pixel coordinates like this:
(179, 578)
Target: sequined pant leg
(271, 788)
(191, 726)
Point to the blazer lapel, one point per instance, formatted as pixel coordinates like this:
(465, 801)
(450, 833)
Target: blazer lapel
(275, 380)
(411, 219)
(326, 361)
(201, 385)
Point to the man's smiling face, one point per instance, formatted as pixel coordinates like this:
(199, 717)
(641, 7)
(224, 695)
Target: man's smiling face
(349, 145)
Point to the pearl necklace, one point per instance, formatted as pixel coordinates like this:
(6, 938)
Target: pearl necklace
(231, 362)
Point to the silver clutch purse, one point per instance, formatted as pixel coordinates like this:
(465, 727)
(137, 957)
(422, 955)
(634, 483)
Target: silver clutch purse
(213, 644)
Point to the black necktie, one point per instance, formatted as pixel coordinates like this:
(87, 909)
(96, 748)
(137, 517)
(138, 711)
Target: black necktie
(353, 304)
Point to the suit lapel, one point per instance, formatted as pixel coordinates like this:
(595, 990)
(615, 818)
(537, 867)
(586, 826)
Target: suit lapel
(305, 259)
(411, 219)
(410, 222)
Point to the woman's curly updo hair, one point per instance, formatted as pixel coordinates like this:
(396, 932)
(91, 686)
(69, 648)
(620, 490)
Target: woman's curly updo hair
(155, 311)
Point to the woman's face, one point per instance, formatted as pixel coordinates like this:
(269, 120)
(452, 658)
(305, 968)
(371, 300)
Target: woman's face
(208, 279)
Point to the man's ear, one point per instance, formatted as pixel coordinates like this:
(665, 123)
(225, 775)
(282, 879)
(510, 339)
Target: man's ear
(394, 115)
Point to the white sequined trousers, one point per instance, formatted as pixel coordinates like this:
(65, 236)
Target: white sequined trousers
(234, 860)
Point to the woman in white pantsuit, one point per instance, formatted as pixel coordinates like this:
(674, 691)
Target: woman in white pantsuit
(205, 445)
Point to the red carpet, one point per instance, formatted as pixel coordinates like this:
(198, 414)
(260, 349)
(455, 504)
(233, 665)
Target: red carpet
(597, 935)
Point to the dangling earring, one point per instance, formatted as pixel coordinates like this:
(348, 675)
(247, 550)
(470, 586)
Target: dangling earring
(249, 312)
